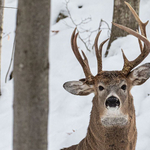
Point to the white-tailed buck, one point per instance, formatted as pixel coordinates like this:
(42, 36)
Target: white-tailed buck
(112, 122)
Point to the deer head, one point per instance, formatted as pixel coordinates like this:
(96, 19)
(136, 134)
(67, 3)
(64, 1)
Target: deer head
(112, 88)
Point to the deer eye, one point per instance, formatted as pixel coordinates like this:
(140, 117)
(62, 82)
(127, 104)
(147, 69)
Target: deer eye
(123, 87)
(101, 88)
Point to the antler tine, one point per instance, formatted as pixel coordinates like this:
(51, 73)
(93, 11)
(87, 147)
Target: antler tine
(129, 65)
(84, 62)
(141, 24)
(98, 56)
(99, 51)
(101, 46)
(140, 43)
(141, 37)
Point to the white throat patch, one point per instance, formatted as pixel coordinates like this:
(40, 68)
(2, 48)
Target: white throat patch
(114, 117)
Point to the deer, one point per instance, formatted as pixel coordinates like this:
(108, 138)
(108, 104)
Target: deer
(112, 124)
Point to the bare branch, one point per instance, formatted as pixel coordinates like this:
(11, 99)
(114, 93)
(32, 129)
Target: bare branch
(86, 41)
(8, 7)
(12, 56)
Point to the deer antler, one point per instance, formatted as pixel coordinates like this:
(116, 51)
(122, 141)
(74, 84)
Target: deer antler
(84, 62)
(99, 51)
(129, 65)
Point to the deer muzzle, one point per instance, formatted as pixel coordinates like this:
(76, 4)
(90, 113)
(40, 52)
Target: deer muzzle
(113, 115)
(112, 101)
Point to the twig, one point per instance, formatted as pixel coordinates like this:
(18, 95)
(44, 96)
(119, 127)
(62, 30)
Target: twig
(84, 21)
(109, 30)
(6, 34)
(86, 41)
(12, 55)
(67, 24)
(76, 25)
(8, 7)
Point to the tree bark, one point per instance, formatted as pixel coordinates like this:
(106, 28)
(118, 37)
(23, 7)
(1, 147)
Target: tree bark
(122, 15)
(1, 32)
(31, 75)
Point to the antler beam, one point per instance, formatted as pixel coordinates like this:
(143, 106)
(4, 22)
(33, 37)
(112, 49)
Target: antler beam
(84, 62)
(98, 51)
(129, 65)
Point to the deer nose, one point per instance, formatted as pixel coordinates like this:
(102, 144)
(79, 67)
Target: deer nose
(112, 101)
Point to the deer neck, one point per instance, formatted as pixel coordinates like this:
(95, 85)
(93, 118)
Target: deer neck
(100, 137)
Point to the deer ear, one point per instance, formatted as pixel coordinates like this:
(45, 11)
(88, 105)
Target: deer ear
(139, 75)
(78, 88)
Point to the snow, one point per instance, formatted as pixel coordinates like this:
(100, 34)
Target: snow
(69, 114)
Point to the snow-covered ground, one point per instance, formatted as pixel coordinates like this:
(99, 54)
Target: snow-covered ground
(69, 114)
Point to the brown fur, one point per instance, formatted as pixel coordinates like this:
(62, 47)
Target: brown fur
(100, 137)
(111, 127)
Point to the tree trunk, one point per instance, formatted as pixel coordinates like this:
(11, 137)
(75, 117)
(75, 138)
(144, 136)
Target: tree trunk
(122, 15)
(1, 32)
(31, 75)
